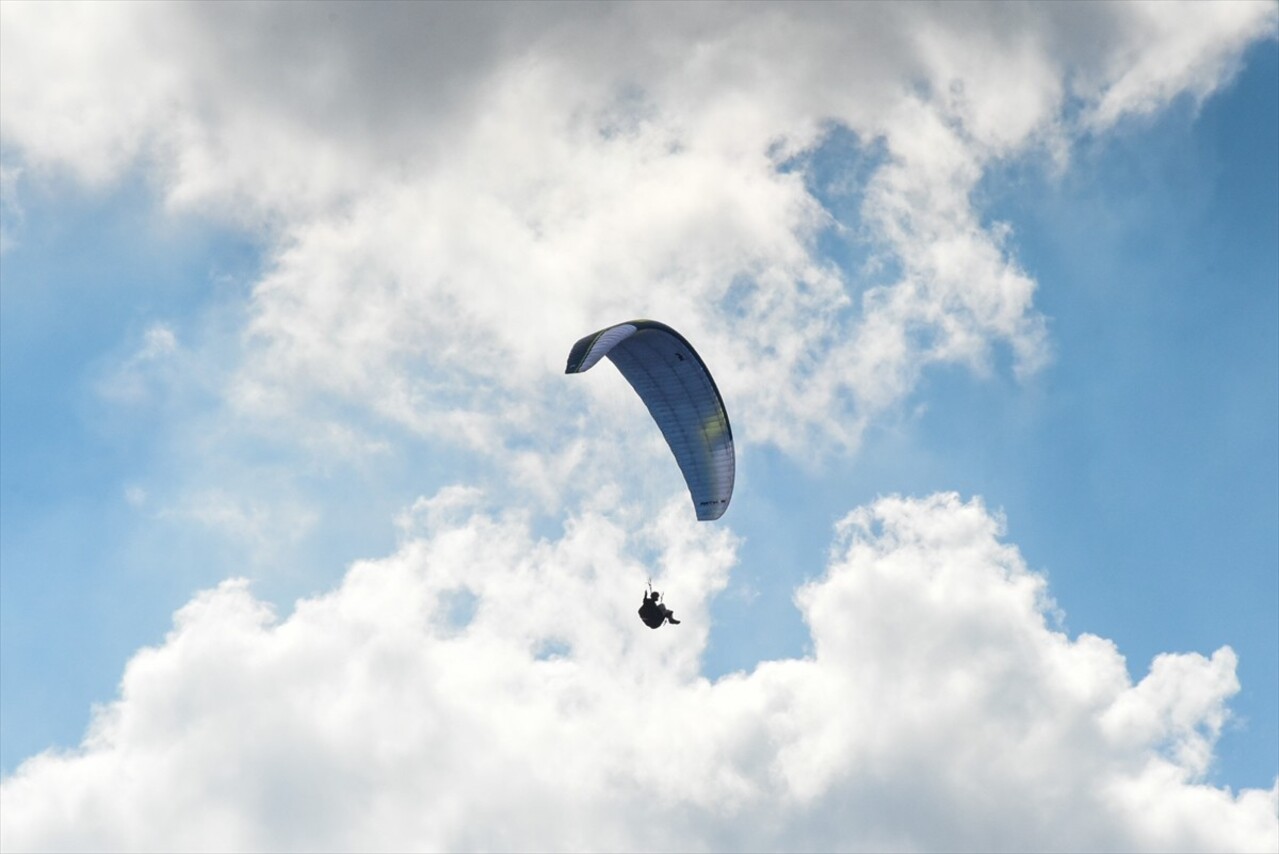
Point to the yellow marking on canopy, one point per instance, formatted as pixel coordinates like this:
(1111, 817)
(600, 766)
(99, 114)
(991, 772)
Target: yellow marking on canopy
(713, 428)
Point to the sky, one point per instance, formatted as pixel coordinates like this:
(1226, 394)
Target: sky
(308, 542)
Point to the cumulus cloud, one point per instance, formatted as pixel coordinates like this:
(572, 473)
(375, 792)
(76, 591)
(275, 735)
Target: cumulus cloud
(456, 191)
(941, 708)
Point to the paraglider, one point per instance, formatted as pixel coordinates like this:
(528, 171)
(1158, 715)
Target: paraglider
(680, 394)
(682, 398)
(653, 612)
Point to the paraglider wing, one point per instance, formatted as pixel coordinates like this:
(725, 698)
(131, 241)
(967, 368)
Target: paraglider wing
(680, 394)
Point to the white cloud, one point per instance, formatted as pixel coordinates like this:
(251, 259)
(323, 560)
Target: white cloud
(81, 90)
(456, 193)
(264, 526)
(940, 709)
(1191, 53)
(150, 369)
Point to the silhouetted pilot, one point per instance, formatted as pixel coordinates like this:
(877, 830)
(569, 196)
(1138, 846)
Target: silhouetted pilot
(654, 613)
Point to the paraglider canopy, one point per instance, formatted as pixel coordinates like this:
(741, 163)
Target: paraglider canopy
(682, 398)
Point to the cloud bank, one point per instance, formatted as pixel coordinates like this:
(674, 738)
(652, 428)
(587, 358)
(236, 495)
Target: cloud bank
(453, 191)
(483, 689)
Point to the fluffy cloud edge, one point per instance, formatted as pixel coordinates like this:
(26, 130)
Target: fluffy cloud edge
(485, 688)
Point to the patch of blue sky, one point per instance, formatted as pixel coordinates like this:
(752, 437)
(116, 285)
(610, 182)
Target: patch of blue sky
(1172, 416)
(84, 272)
(1140, 470)
(458, 607)
(83, 278)
(100, 535)
(836, 173)
(553, 649)
(785, 532)
(1159, 423)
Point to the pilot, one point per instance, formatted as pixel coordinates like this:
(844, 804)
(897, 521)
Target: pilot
(654, 613)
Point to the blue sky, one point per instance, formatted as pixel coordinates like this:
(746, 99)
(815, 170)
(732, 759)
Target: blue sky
(168, 422)
(1140, 470)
